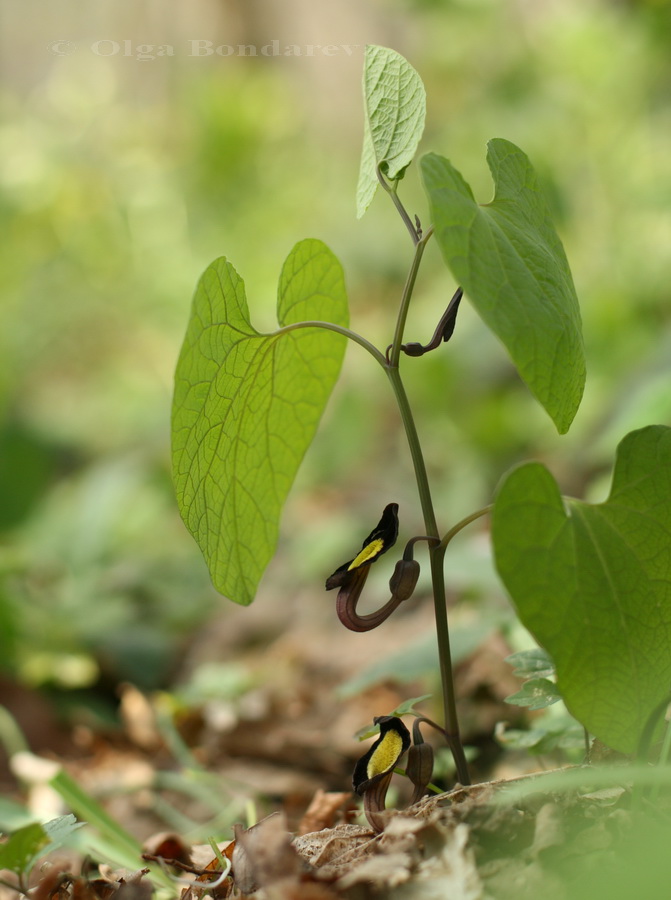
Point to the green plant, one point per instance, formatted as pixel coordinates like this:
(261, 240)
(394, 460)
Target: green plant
(90, 830)
(24, 846)
(592, 583)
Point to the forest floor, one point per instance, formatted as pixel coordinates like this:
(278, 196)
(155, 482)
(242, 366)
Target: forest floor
(276, 753)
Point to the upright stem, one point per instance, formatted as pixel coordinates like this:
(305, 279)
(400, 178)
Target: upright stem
(437, 550)
(436, 555)
(421, 476)
(408, 288)
(392, 190)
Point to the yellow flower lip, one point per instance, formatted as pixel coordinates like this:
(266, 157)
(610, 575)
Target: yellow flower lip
(386, 754)
(381, 538)
(369, 553)
(383, 756)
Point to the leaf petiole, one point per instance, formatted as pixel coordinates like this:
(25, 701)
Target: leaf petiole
(339, 329)
(447, 537)
(392, 190)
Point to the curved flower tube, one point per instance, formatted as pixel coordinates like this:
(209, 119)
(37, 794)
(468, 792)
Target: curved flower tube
(373, 772)
(351, 576)
(348, 597)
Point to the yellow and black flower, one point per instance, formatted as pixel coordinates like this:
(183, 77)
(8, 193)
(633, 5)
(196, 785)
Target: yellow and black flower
(381, 538)
(383, 756)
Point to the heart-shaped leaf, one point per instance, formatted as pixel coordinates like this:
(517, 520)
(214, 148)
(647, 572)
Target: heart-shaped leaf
(511, 264)
(394, 108)
(246, 407)
(593, 583)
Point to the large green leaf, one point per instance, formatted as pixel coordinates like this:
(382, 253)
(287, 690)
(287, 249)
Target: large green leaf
(246, 408)
(395, 108)
(509, 260)
(593, 583)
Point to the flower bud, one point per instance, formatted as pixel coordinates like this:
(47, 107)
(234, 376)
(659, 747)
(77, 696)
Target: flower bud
(404, 580)
(419, 768)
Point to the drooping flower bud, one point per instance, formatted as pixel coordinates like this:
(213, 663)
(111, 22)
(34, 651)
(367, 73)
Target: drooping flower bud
(404, 580)
(419, 768)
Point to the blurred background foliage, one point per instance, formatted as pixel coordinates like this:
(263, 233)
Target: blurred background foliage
(124, 172)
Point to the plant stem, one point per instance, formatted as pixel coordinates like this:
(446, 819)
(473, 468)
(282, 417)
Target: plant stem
(436, 552)
(339, 329)
(436, 555)
(462, 524)
(392, 190)
(421, 476)
(408, 288)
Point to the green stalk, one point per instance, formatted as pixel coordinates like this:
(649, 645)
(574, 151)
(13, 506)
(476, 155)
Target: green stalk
(339, 329)
(462, 524)
(437, 551)
(392, 190)
(436, 555)
(395, 354)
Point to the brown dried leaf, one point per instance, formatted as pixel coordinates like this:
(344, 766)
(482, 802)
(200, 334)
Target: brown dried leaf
(168, 846)
(451, 872)
(205, 882)
(264, 855)
(201, 854)
(332, 849)
(139, 718)
(385, 870)
(122, 876)
(322, 811)
(550, 831)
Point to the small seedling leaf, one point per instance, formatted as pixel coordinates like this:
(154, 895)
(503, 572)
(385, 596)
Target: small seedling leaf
(593, 583)
(394, 108)
(509, 260)
(537, 693)
(246, 407)
(21, 849)
(59, 830)
(408, 706)
(565, 734)
(367, 732)
(534, 663)
(403, 709)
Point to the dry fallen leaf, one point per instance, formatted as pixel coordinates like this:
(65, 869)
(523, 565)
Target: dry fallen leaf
(321, 812)
(167, 846)
(263, 854)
